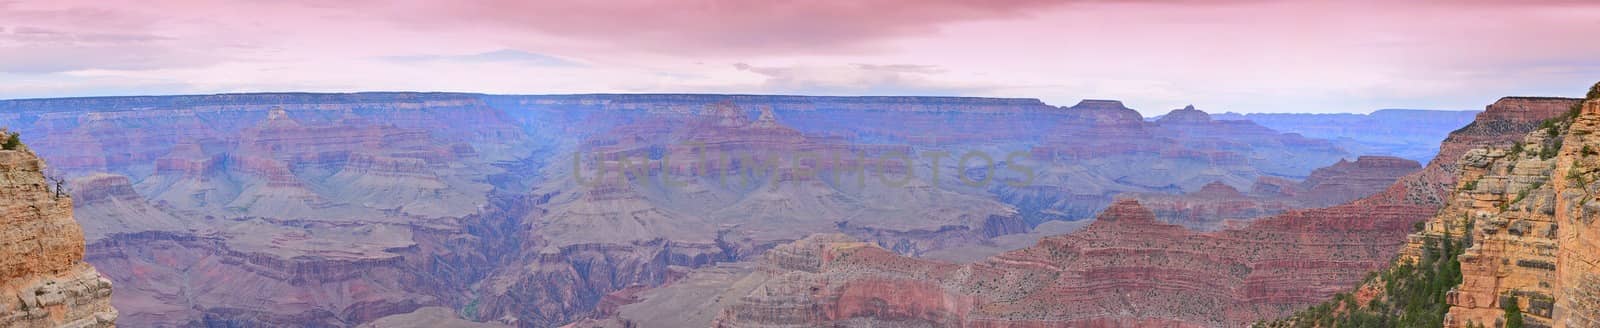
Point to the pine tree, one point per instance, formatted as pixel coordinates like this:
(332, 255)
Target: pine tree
(1513, 313)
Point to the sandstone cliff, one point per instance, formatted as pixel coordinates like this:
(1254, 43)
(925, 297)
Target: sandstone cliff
(1517, 226)
(1531, 212)
(43, 279)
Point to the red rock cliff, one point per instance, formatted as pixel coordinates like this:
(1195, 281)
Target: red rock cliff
(43, 279)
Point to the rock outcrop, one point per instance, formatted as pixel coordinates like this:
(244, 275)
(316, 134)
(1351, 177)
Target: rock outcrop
(1346, 180)
(43, 279)
(1218, 205)
(1528, 213)
(1518, 179)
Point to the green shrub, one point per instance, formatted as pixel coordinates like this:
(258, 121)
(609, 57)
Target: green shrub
(13, 141)
(1513, 313)
(1551, 149)
(1413, 294)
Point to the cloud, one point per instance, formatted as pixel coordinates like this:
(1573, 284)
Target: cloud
(498, 56)
(727, 27)
(1241, 55)
(859, 79)
(35, 50)
(53, 40)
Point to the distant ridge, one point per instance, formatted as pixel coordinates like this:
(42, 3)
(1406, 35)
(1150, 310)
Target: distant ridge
(1409, 133)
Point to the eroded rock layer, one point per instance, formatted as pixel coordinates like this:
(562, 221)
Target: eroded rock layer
(1218, 205)
(1128, 269)
(1527, 210)
(43, 279)
(344, 209)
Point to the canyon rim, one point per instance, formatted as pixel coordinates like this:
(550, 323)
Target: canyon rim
(878, 163)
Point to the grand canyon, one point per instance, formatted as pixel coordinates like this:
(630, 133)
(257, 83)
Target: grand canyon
(708, 163)
(620, 210)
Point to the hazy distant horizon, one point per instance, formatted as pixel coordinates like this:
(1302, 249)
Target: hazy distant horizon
(1239, 56)
(1148, 113)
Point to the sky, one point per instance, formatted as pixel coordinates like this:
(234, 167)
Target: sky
(1225, 55)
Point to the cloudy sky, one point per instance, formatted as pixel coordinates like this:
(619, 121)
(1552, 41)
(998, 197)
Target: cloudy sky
(1235, 55)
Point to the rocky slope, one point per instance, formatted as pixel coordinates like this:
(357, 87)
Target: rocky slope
(1218, 205)
(43, 279)
(1128, 269)
(1517, 208)
(1101, 148)
(625, 224)
(1528, 212)
(281, 209)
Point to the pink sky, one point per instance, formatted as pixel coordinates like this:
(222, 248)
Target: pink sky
(1240, 55)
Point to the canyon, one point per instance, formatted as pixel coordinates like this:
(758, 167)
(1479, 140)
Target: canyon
(396, 209)
(1130, 269)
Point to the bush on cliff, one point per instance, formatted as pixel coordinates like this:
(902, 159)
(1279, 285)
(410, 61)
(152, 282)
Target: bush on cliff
(13, 141)
(1513, 313)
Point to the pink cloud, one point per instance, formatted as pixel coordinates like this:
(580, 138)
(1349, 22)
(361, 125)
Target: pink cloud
(725, 26)
(1233, 55)
(860, 79)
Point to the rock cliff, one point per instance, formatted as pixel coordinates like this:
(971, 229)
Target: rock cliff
(43, 279)
(1515, 227)
(1528, 213)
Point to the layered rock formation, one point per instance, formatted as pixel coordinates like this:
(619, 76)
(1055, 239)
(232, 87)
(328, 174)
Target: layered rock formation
(1127, 269)
(1102, 148)
(1217, 205)
(1528, 211)
(116, 207)
(1513, 196)
(344, 209)
(625, 219)
(43, 279)
(281, 209)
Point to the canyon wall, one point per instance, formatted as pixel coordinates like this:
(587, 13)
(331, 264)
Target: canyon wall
(46, 283)
(1218, 205)
(1129, 269)
(346, 209)
(1527, 212)
(1512, 185)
